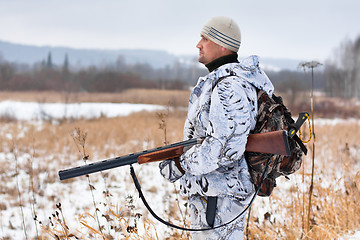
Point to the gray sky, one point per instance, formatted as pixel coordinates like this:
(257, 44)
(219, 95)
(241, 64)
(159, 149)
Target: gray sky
(305, 30)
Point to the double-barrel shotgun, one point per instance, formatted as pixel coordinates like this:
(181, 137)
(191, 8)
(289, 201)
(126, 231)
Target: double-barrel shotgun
(275, 142)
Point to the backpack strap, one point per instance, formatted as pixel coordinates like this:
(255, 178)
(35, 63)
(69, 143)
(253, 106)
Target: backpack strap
(221, 78)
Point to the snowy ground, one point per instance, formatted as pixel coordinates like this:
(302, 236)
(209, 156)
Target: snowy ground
(74, 196)
(38, 111)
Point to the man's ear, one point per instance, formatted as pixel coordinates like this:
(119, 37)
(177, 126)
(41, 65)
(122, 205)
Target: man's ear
(226, 51)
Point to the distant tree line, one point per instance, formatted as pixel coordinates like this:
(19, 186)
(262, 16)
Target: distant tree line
(339, 76)
(113, 78)
(342, 73)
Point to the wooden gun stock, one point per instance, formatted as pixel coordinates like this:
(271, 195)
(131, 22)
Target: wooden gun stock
(275, 142)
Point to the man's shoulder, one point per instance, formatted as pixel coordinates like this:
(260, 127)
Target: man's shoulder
(233, 85)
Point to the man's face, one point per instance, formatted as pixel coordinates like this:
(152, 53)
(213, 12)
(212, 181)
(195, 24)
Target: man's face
(208, 50)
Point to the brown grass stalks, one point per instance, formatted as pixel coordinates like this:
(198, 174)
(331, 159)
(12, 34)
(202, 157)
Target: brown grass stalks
(57, 227)
(19, 191)
(79, 138)
(32, 191)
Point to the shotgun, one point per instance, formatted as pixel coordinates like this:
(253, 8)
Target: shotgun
(275, 142)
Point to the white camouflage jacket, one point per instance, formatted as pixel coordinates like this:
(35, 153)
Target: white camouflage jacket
(223, 109)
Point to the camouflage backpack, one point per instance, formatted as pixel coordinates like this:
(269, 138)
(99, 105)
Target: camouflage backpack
(273, 115)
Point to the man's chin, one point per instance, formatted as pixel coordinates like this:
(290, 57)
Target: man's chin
(201, 60)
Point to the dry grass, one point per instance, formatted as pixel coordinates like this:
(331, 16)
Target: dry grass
(335, 200)
(147, 96)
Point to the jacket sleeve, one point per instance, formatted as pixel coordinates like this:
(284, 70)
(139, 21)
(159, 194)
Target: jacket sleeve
(229, 126)
(169, 170)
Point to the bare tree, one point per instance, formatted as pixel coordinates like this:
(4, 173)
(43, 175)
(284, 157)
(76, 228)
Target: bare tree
(343, 71)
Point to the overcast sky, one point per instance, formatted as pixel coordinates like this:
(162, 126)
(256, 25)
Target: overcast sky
(305, 30)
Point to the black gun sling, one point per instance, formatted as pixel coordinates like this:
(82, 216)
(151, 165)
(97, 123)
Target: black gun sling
(213, 211)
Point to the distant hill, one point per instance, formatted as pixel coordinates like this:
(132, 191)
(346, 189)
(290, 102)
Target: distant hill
(82, 57)
(28, 54)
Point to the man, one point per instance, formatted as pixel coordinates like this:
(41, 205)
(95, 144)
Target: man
(222, 109)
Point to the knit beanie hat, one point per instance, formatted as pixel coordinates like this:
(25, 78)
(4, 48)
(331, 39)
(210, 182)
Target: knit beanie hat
(224, 32)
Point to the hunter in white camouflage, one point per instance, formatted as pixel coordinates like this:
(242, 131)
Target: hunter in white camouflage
(222, 109)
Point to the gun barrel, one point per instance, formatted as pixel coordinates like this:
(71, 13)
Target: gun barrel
(116, 162)
(97, 166)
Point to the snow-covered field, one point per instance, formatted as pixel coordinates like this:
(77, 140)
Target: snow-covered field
(39, 196)
(30, 188)
(38, 111)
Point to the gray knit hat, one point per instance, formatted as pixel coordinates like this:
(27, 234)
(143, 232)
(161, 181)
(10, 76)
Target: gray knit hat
(224, 32)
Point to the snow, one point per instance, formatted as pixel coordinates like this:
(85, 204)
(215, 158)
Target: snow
(351, 236)
(38, 111)
(333, 122)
